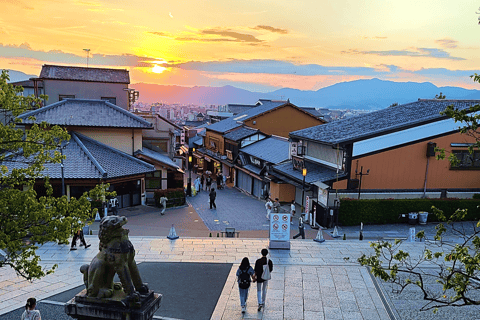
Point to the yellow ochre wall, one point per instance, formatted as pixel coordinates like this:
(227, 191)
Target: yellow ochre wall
(405, 167)
(283, 191)
(120, 139)
(282, 121)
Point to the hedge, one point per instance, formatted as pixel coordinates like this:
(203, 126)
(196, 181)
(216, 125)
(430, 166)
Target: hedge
(175, 196)
(383, 211)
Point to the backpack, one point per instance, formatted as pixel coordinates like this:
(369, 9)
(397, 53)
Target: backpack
(266, 272)
(244, 280)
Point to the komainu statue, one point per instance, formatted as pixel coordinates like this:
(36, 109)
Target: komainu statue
(116, 256)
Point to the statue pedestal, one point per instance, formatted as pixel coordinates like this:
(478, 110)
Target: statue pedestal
(84, 308)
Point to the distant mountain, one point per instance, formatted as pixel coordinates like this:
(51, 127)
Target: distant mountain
(372, 94)
(363, 94)
(196, 95)
(19, 76)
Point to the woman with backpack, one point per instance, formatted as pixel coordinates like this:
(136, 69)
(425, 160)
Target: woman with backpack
(245, 274)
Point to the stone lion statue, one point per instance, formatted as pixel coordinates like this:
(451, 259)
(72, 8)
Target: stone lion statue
(116, 256)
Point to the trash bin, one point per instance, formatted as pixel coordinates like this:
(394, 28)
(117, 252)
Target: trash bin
(422, 217)
(412, 218)
(86, 230)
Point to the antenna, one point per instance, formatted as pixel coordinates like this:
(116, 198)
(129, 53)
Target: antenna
(88, 54)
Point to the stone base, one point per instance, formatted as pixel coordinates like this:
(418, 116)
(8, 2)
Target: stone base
(285, 245)
(85, 308)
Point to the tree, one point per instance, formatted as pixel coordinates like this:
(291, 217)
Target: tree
(457, 265)
(393, 105)
(440, 96)
(26, 220)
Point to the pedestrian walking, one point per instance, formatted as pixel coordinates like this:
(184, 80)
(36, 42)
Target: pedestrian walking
(268, 207)
(219, 181)
(276, 206)
(197, 184)
(114, 206)
(30, 313)
(202, 181)
(163, 203)
(263, 268)
(292, 211)
(78, 236)
(212, 196)
(224, 180)
(208, 182)
(245, 274)
(301, 229)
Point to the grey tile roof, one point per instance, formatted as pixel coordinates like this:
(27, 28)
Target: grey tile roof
(239, 108)
(252, 168)
(27, 84)
(158, 157)
(231, 123)
(381, 121)
(90, 159)
(273, 149)
(315, 172)
(314, 112)
(84, 74)
(86, 113)
(240, 133)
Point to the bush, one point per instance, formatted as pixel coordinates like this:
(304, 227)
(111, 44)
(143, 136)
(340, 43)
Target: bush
(176, 197)
(383, 211)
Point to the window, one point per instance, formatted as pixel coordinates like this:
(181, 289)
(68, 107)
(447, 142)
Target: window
(156, 145)
(65, 96)
(466, 160)
(153, 180)
(112, 100)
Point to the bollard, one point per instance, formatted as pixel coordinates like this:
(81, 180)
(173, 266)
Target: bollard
(218, 235)
(344, 236)
(411, 236)
(210, 235)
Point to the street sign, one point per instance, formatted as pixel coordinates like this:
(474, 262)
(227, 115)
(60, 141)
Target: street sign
(279, 231)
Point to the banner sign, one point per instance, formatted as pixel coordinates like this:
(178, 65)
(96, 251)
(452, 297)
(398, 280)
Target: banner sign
(280, 227)
(307, 205)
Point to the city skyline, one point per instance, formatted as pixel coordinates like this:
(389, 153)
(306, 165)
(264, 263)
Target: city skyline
(255, 45)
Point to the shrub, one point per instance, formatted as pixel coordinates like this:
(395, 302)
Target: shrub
(383, 211)
(176, 197)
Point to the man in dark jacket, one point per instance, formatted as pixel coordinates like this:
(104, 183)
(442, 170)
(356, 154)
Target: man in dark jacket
(262, 284)
(212, 196)
(301, 229)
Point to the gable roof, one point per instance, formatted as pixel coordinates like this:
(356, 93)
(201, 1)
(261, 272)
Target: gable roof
(86, 113)
(382, 121)
(239, 108)
(274, 149)
(55, 72)
(87, 158)
(240, 133)
(315, 172)
(157, 156)
(233, 122)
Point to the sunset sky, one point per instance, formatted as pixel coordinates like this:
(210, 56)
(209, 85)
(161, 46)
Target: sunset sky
(259, 45)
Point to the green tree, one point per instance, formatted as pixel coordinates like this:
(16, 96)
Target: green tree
(26, 220)
(440, 96)
(456, 266)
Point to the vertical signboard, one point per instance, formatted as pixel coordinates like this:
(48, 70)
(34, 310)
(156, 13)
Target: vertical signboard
(279, 231)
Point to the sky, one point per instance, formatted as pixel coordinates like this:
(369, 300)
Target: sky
(258, 45)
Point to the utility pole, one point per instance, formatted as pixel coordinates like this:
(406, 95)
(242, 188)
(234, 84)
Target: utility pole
(88, 54)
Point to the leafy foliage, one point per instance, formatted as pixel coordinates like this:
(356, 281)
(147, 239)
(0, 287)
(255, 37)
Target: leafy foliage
(382, 211)
(26, 220)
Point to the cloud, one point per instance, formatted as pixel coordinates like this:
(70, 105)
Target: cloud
(375, 38)
(273, 67)
(161, 34)
(419, 52)
(170, 15)
(447, 43)
(24, 50)
(271, 29)
(232, 35)
(18, 4)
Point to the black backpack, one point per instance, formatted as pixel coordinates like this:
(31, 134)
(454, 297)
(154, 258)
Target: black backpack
(244, 279)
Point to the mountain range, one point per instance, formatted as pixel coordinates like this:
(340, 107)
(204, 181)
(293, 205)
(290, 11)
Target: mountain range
(364, 94)
(371, 94)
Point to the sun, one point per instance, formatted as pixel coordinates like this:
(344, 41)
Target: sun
(158, 69)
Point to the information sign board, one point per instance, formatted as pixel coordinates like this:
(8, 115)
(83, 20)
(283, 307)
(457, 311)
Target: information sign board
(279, 231)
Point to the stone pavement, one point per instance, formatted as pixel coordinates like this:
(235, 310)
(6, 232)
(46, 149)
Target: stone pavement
(310, 281)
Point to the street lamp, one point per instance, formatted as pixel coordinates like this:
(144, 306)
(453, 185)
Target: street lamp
(189, 185)
(361, 174)
(304, 173)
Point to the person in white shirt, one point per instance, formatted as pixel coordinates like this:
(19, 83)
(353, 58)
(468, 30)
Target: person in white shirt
(292, 211)
(30, 313)
(268, 207)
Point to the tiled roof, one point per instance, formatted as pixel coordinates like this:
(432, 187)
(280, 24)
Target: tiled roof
(239, 108)
(252, 168)
(381, 121)
(273, 149)
(89, 159)
(27, 84)
(84, 74)
(314, 112)
(315, 172)
(86, 113)
(240, 133)
(157, 157)
(231, 123)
